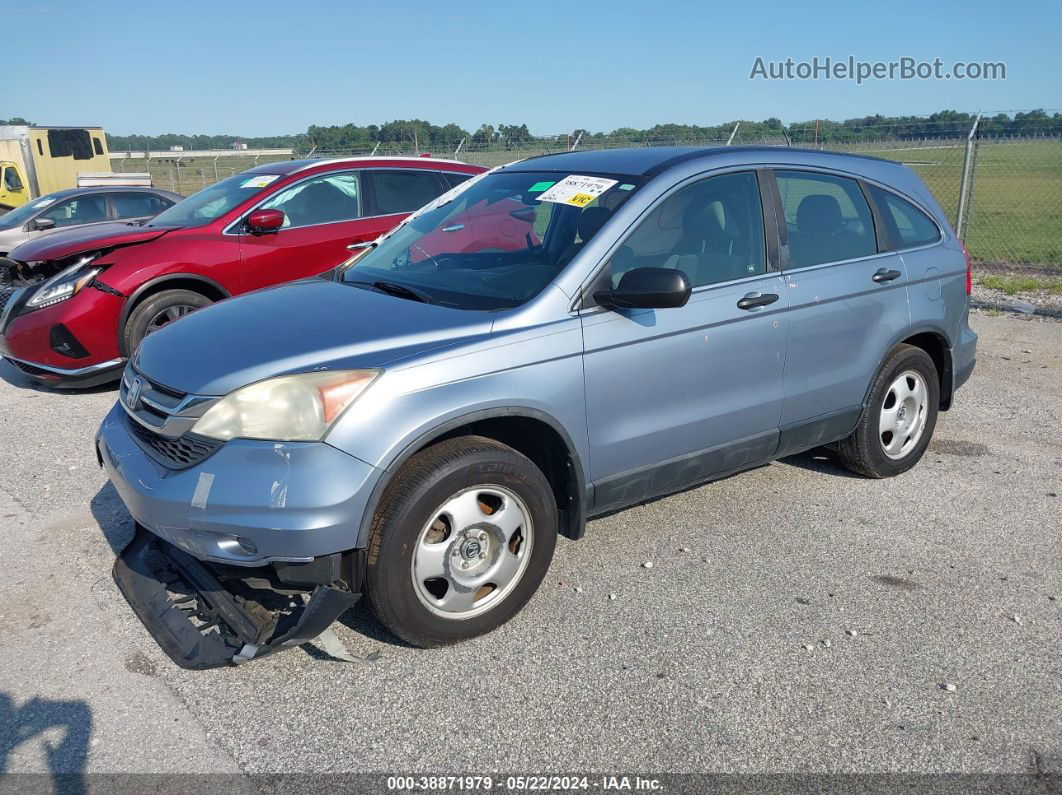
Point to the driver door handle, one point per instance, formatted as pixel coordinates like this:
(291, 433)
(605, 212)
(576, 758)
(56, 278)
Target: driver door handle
(885, 275)
(756, 300)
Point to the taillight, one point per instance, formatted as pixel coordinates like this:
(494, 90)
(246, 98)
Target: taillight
(969, 271)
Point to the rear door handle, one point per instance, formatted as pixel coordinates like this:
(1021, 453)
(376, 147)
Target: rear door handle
(756, 300)
(885, 275)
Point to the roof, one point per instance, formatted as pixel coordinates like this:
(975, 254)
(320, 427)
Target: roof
(649, 160)
(286, 167)
(68, 192)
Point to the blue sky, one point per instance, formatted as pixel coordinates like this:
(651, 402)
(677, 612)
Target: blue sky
(261, 68)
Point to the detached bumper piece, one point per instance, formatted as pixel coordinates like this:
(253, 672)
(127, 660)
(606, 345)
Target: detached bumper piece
(202, 621)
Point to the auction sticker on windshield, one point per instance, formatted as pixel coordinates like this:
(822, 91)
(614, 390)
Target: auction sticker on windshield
(577, 190)
(259, 182)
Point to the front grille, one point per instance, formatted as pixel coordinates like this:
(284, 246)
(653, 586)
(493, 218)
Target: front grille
(29, 369)
(181, 453)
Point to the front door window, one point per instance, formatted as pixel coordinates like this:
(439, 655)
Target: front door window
(322, 200)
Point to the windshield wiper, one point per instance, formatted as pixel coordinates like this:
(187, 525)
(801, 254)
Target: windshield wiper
(402, 291)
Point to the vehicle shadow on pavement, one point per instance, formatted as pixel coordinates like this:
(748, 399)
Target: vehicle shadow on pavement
(40, 717)
(111, 516)
(819, 460)
(362, 620)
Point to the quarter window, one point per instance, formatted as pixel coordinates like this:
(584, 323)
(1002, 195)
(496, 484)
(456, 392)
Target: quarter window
(137, 205)
(405, 191)
(711, 230)
(322, 200)
(826, 218)
(908, 226)
(456, 179)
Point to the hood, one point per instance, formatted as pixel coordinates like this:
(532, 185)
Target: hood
(296, 328)
(10, 238)
(67, 242)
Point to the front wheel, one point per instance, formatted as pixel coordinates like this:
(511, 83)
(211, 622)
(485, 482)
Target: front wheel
(156, 311)
(900, 416)
(464, 535)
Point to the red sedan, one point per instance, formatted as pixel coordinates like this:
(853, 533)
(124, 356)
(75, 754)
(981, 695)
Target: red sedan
(74, 305)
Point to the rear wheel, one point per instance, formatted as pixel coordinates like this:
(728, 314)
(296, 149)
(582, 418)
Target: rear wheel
(159, 310)
(898, 423)
(464, 535)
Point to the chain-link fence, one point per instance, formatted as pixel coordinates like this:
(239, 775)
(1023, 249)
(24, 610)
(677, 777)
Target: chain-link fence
(1008, 190)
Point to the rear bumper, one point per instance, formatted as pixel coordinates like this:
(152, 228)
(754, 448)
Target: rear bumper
(202, 618)
(963, 358)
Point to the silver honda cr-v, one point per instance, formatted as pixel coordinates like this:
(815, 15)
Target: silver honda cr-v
(564, 336)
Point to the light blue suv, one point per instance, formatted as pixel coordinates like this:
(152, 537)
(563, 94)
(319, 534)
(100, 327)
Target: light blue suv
(564, 336)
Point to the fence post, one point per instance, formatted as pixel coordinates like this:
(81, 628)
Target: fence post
(216, 178)
(965, 184)
(578, 138)
(458, 149)
(373, 152)
(733, 133)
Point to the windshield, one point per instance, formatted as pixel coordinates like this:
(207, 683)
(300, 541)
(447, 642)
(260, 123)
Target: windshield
(210, 203)
(496, 244)
(20, 215)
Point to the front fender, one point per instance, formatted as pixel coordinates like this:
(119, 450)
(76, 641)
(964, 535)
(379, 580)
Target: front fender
(409, 407)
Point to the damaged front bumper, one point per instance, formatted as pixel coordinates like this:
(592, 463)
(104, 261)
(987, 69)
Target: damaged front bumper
(209, 616)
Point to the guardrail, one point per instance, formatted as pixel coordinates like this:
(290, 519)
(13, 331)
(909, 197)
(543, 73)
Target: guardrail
(164, 154)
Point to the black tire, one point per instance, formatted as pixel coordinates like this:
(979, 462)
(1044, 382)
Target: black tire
(863, 451)
(140, 321)
(426, 482)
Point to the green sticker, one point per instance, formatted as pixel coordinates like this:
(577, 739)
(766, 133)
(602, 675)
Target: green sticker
(538, 187)
(627, 186)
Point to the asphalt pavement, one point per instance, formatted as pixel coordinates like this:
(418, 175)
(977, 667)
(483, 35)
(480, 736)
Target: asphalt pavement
(796, 618)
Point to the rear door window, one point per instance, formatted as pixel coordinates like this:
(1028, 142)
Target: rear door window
(908, 226)
(827, 218)
(405, 190)
(137, 205)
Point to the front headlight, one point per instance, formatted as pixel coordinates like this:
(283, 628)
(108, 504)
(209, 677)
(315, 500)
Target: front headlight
(289, 408)
(65, 284)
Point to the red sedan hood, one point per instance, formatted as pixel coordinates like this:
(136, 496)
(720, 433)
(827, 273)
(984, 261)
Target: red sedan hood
(67, 242)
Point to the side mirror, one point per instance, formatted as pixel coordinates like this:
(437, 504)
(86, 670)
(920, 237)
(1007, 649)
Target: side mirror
(647, 288)
(40, 224)
(261, 222)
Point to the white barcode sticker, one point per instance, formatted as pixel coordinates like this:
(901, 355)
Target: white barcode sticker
(577, 190)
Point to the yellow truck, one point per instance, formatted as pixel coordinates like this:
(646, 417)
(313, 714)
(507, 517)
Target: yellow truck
(40, 160)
